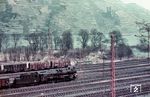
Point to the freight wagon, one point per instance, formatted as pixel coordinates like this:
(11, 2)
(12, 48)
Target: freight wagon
(4, 82)
(40, 76)
(33, 66)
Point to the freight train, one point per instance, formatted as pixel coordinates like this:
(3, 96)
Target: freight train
(33, 73)
(32, 66)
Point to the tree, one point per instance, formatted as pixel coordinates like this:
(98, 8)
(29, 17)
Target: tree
(27, 53)
(84, 37)
(129, 51)
(144, 27)
(7, 14)
(117, 36)
(97, 38)
(57, 42)
(122, 49)
(34, 43)
(5, 42)
(26, 23)
(56, 39)
(143, 45)
(67, 40)
(15, 52)
(42, 37)
(56, 7)
(1, 39)
(16, 38)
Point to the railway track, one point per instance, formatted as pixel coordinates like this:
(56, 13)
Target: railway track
(125, 73)
(88, 85)
(107, 65)
(118, 65)
(121, 92)
(83, 81)
(63, 90)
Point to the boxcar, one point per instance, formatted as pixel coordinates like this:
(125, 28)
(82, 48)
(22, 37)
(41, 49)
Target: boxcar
(4, 82)
(0, 69)
(13, 67)
(32, 66)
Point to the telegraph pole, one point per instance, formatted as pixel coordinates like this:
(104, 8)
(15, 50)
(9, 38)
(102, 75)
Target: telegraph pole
(104, 95)
(148, 45)
(113, 90)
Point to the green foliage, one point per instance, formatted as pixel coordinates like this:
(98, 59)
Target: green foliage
(123, 50)
(67, 41)
(37, 42)
(117, 36)
(144, 27)
(5, 42)
(143, 41)
(144, 30)
(129, 52)
(57, 40)
(28, 53)
(1, 39)
(34, 42)
(143, 45)
(16, 38)
(7, 15)
(62, 14)
(84, 37)
(111, 14)
(26, 23)
(43, 41)
(96, 38)
(120, 50)
(54, 9)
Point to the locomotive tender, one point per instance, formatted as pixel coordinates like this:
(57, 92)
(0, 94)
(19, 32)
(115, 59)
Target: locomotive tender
(33, 73)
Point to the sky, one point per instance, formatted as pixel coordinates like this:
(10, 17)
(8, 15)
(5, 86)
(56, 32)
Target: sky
(143, 3)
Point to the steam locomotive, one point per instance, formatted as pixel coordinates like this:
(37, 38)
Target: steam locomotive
(33, 73)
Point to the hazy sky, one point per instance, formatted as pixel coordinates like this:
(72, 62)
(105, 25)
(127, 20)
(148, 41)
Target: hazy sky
(143, 3)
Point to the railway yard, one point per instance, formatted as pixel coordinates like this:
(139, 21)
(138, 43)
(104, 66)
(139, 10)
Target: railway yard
(94, 80)
(74, 48)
